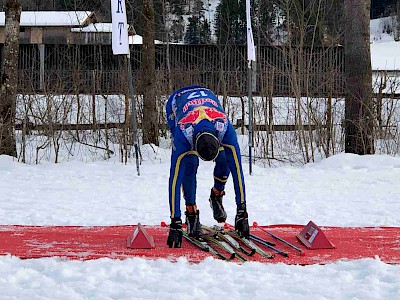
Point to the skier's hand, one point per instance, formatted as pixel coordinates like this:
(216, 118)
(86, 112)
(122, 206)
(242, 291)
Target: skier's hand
(175, 233)
(242, 221)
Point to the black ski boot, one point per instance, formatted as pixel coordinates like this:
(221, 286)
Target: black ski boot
(193, 221)
(219, 213)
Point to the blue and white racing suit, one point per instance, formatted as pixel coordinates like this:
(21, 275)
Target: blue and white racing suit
(189, 111)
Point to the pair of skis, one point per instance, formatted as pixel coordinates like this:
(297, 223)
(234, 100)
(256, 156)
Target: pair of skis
(205, 246)
(217, 241)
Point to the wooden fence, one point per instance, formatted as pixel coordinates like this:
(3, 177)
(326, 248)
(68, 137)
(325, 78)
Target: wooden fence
(94, 69)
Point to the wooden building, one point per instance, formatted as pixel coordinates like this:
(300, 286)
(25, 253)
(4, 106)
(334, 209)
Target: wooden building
(49, 27)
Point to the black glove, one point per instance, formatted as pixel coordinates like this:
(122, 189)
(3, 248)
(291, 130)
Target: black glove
(242, 222)
(175, 233)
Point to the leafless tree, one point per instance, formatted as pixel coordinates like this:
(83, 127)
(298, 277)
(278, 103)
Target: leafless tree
(150, 115)
(8, 84)
(359, 121)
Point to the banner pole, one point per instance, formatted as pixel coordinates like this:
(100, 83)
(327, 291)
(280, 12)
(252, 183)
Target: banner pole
(251, 56)
(133, 114)
(249, 91)
(120, 46)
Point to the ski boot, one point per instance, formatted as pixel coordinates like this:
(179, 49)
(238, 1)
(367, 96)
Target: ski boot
(193, 221)
(219, 213)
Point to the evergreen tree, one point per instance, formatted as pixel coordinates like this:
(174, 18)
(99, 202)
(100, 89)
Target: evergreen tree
(198, 8)
(68, 4)
(382, 8)
(198, 30)
(230, 22)
(159, 18)
(177, 7)
(177, 29)
(333, 23)
(175, 12)
(205, 32)
(266, 25)
(192, 35)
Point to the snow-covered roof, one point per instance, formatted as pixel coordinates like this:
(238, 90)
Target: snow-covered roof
(138, 40)
(51, 18)
(135, 39)
(107, 27)
(94, 27)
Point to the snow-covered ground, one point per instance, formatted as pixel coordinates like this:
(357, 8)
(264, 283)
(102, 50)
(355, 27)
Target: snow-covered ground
(385, 52)
(385, 56)
(344, 190)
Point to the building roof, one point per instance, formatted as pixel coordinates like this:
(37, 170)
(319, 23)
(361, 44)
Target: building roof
(135, 39)
(107, 27)
(94, 27)
(51, 18)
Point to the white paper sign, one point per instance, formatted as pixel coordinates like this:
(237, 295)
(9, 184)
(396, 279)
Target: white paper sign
(120, 43)
(251, 51)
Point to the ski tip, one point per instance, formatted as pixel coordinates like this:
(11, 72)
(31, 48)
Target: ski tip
(255, 224)
(163, 224)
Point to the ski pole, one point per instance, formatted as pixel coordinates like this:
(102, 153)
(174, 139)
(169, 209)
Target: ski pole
(283, 241)
(264, 243)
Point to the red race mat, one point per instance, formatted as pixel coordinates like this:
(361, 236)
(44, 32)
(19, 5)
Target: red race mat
(84, 243)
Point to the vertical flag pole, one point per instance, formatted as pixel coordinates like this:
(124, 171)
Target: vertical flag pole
(120, 45)
(249, 96)
(133, 114)
(251, 56)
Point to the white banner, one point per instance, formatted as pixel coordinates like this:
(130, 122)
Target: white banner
(120, 43)
(251, 51)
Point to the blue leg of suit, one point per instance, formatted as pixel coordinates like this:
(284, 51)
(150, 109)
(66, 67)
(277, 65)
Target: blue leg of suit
(234, 163)
(183, 171)
(221, 171)
(189, 182)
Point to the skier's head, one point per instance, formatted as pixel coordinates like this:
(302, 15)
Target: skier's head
(206, 145)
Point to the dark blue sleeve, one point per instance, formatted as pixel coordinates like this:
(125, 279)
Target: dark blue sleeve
(169, 114)
(234, 161)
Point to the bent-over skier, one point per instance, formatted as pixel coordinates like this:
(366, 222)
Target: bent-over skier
(200, 128)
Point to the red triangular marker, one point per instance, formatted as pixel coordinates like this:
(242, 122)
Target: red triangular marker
(140, 239)
(313, 237)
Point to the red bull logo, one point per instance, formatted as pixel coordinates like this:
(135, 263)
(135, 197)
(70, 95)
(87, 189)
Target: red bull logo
(214, 114)
(199, 102)
(190, 118)
(202, 113)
